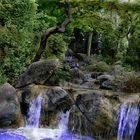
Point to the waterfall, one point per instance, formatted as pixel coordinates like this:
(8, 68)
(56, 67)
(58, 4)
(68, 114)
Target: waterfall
(34, 112)
(32, 132)
(63, 121)
(128, 120)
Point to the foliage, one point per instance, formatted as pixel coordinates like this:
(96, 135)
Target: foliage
(56, 46)
(16, 38)
(22, 22)
(3, 78)
(98, 67)
(61, 75)
(132, 84)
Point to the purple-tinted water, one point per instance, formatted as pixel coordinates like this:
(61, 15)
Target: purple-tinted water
(71, 136)
(32, 132)
(34, 113)
(128, 120)
(9, 135)
(63, 119)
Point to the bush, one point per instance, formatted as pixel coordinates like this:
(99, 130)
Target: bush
(132, 84)
(59, 76)
(98, 67)
(3, 78)
(15, 61)
(56, 47)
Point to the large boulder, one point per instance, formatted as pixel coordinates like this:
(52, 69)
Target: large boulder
(55, 97)
(9, 106)
(38, 72)
(107, 81)
(93, 115)
(105, 77)
(108, 85)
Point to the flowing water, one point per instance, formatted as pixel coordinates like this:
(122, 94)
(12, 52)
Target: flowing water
(128, 120)
(32, 132)
(34, 112)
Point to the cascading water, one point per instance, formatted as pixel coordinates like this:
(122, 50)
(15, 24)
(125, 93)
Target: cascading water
(32, 132)
(34, 113)
(128, 120)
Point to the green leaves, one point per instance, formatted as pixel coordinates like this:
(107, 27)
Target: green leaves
(16, 38)
(23, 21)
(18, 12)
(56, 46)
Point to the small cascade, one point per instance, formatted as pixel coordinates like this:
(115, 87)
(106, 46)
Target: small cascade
(32, 132)
(128, 120)
(34, 113)
(63, 121)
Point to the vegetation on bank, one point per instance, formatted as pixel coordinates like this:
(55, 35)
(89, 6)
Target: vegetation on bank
(106, 32)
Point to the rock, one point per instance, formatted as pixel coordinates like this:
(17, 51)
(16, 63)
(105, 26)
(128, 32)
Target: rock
(74, 65)
(76, 76)
(90, 84)
(105, 77)
(76, 73)
(9, 105)
(94, 75)
(108, 85)
(37, 72)
(56, 96)
(93, 115)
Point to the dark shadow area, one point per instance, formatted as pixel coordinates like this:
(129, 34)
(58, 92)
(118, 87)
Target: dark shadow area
(137, 133)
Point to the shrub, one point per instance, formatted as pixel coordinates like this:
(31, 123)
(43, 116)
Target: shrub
(3, 78)
(132, 84)
(59, 76)
(56, 47)
(98, 67)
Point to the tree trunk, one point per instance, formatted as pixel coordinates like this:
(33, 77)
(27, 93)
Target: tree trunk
(130, 40)
(53, 30)
(89, 43)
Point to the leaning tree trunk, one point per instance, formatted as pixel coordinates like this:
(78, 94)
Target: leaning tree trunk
(89, 43)
(56, 29)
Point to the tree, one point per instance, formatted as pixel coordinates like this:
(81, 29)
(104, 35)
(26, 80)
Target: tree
(89, 43)
(53, 30)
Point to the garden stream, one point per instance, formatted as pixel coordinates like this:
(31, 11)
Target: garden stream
(128, 119)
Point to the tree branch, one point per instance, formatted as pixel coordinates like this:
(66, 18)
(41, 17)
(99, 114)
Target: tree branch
(53, 30)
